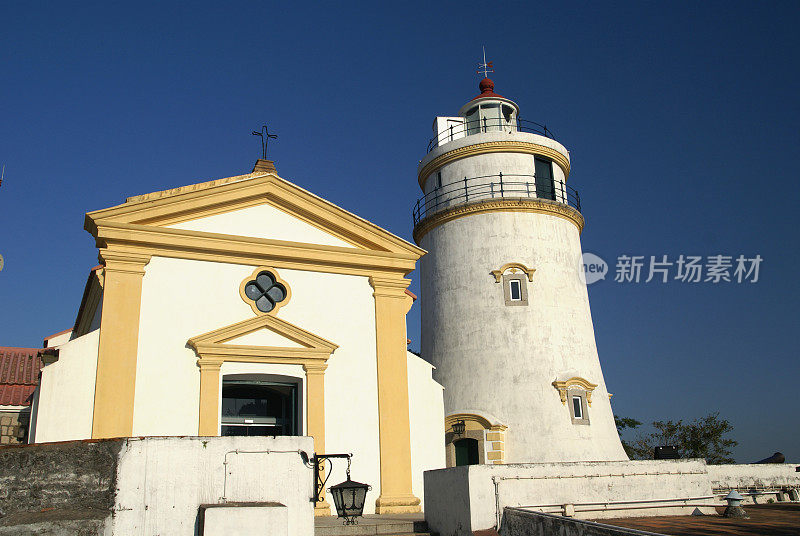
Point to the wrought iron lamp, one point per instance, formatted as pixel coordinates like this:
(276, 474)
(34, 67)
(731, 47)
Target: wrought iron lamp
(349, 498)
(459, 427)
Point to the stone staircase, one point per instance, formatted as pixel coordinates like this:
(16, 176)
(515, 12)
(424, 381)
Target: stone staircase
(374, 525)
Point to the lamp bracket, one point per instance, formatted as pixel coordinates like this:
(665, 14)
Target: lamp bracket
(318, 461)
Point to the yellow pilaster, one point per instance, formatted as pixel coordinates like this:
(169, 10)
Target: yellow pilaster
(209, 396)
(119, 341)
(315, 418)
(391, 306)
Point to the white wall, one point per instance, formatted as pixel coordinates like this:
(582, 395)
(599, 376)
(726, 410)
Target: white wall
(503, 359)
(336, 307)
(471, 168)
(754, 475)
(65, 396)
(58, 340)
(162, 481)
(426, 414)
(262, 221)
(466, 499)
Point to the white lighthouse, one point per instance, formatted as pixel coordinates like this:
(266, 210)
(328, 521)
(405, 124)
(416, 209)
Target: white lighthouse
(505, 314)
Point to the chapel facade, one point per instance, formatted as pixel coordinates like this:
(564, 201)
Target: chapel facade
(249, 306)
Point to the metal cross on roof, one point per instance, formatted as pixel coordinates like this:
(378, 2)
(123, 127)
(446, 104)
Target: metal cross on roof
(265, 137)
(485, 67)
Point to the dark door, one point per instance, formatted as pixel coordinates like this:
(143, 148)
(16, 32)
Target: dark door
(545, 187)
(466, 451)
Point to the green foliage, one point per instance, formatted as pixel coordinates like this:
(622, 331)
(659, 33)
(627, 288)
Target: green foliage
(622, 423)
(701, 438)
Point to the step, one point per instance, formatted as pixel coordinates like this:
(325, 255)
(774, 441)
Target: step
(373, 525)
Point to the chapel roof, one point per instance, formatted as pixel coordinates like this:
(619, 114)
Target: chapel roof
(19, 375)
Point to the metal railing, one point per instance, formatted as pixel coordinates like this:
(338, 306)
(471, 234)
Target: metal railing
(489, 187)
(484, 125)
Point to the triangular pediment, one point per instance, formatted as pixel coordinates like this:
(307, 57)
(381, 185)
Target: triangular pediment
(193, 207)
(285, 342)
(300, 337)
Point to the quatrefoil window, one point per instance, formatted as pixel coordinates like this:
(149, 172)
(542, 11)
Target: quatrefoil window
(265, 291)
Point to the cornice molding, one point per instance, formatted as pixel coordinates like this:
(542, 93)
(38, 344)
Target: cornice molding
(498, 274)
(193, 187)
(390, 287)
(575, 381)
(194, 202)
(493, 147)
(450, 420)
(123, 261)
(146, 241)
(211, 347)
(541, 206)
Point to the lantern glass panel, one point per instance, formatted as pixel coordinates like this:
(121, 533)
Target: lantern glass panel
(349, 498)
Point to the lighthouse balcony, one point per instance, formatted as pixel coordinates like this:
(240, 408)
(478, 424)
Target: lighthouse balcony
(449, 129)
(494, 187)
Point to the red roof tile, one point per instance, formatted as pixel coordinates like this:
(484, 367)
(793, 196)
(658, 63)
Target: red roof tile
(19, 375)
(16, 395)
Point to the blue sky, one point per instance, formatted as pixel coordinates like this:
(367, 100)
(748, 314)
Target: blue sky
(681, 119)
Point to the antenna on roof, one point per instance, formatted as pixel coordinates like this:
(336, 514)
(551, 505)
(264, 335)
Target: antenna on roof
(265, 137)
(485, 67)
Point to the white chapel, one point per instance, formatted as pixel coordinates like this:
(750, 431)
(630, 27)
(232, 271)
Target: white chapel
(249, 306)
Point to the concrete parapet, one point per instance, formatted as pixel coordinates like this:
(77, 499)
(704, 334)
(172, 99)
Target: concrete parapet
(152, 485)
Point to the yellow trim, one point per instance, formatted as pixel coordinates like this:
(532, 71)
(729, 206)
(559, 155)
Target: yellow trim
(278, 279)
(493, 147)
(498, 274)
(539, 206)
(584, 384)
(391, 306)
(115, 380)
(494, 434)
(134, 229)
(214, 247)
(213, 352)
(198, 201)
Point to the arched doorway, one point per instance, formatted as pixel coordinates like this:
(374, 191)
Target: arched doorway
(480, 440)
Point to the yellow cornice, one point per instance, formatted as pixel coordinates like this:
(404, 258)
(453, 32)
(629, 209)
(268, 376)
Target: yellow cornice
(211, 347)
(272, 323)
(213, 247)
(575, 381)
(197, 201)
(493, 147)
(541, 206)
(192, 187)
(450, 420)
(498, 274)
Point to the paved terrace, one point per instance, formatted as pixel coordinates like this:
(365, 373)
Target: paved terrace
(772, 519)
